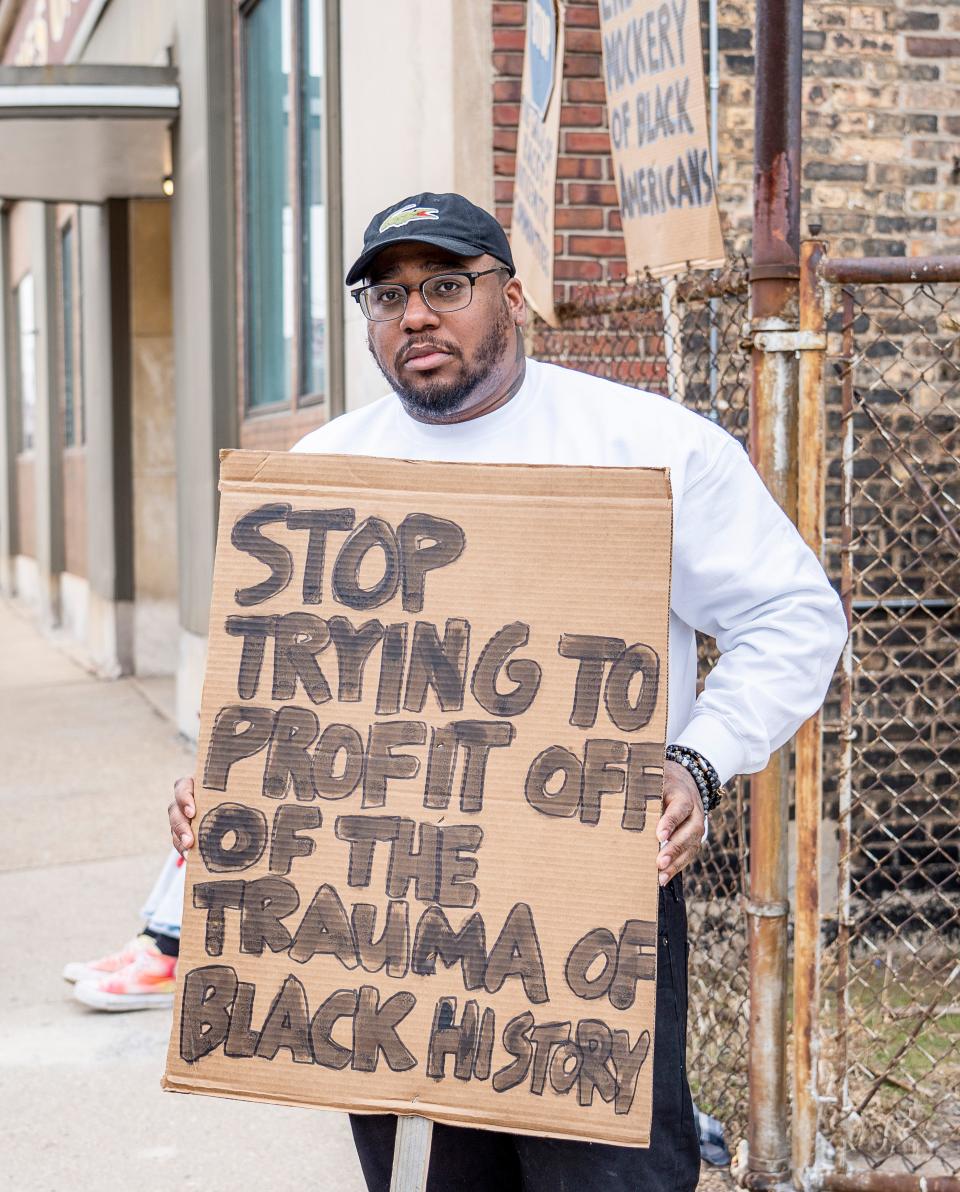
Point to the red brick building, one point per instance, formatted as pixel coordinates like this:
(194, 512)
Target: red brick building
(881, 130)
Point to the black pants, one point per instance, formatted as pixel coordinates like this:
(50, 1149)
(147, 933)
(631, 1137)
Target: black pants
(463, 1160)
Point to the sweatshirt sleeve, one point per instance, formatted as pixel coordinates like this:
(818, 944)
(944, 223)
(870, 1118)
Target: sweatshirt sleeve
(743, 575)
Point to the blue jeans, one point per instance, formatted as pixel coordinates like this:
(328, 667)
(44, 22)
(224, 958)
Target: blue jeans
(464, 1160)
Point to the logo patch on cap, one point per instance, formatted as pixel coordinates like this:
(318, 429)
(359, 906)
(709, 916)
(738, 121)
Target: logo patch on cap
(405, 215)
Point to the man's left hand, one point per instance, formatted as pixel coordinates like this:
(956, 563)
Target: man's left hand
(682, 823)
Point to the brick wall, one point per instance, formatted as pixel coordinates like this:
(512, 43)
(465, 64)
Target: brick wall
(881, 124)
(881, 130)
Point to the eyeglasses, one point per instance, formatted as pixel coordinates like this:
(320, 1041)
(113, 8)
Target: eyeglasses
(443, 293)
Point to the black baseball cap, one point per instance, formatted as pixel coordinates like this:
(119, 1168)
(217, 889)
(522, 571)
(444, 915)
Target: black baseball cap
(449, 221)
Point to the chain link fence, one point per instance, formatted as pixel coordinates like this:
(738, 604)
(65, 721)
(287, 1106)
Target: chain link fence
(684, 338)
(890, 1020)
(890, 1061)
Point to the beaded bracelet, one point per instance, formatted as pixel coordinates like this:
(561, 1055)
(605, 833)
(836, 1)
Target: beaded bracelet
(700, 770)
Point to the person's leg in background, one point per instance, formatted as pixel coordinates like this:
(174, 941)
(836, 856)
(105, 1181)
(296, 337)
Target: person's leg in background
(141, 975)
(163, 911)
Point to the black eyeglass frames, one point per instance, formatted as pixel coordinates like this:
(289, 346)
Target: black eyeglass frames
(443, 293)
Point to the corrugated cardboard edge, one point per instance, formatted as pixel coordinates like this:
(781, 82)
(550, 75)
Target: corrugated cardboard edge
(666, 720)
(277, 470)
(436, 1113)
(677, 267)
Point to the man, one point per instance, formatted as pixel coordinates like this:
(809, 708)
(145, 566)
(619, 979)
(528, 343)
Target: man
(445, 315)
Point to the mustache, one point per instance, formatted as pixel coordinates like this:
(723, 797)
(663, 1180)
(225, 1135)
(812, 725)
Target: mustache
(438, 345)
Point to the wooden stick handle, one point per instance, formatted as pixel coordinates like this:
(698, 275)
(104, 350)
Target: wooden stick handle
(411, 1154)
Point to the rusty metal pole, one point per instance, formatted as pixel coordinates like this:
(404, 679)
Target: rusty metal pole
(773, 446)
(809, 741)
(847, 736)
(882, 1181)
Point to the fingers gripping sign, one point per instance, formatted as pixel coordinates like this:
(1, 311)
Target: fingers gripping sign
(180, 813)
(681, 826)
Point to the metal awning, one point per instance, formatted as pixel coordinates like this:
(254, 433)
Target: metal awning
(84, 134)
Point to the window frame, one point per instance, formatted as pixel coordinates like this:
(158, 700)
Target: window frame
(75, 343)
(274, 424)
(24, 448)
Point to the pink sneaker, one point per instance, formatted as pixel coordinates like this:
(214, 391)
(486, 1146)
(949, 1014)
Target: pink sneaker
(147, 983)
(93, 970)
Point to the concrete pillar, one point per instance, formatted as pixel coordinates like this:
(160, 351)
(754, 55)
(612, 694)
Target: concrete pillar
(153, 439)
(204, 256)
(48, 447)
(447, 50)
(106, 389)
(472, 51)
(8, 418)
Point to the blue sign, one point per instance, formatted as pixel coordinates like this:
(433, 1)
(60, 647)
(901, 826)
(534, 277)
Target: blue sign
(541, 52)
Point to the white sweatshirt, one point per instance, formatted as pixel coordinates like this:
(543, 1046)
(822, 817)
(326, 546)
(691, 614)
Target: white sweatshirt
(741, 572)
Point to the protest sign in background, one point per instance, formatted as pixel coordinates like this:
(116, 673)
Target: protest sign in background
(653, 69)
(534, 192)
(429, 774)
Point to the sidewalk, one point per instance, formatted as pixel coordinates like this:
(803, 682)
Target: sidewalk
(86, 772)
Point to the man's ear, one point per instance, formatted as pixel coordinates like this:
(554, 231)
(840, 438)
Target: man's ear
(513, 292)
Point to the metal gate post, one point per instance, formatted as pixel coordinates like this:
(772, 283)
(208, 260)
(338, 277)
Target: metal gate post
(773, 443)
(847, 733)
(809, 740)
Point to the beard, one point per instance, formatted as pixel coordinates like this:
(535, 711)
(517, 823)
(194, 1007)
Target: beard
(433, 399)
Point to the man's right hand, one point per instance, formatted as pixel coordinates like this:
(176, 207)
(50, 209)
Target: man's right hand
(181, 811)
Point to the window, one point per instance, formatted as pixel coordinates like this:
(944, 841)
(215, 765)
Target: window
(27, 329)
(70, 338)
(314, 225)
(283, 67)
(269, 265)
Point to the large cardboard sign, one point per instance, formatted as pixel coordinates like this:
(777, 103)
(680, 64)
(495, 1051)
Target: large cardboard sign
(653, 68)
(429, 774)
(538, 135)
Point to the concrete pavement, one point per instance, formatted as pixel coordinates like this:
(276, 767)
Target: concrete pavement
(86, 770)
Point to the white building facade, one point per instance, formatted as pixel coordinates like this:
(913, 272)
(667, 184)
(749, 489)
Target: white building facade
(181, 182)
